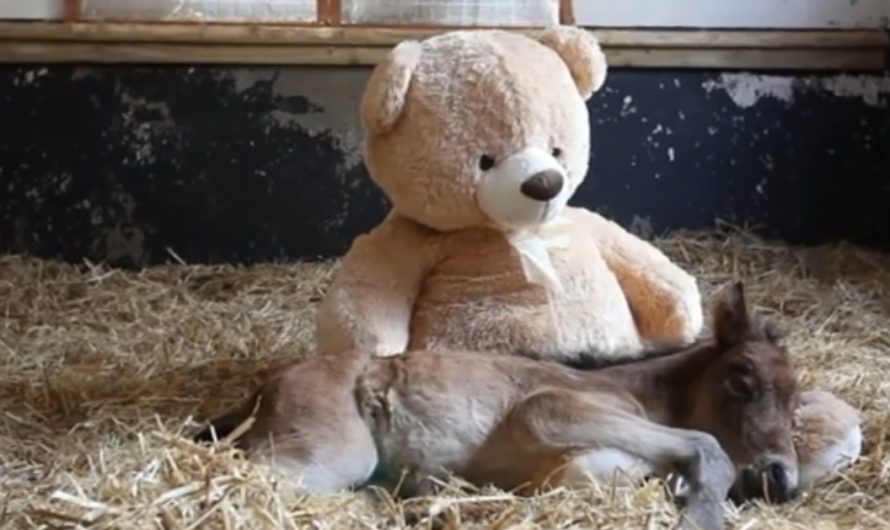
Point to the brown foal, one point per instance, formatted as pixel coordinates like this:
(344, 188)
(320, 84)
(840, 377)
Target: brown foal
(722, 405)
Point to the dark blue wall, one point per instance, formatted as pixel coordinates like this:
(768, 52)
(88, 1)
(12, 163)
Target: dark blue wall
(119, 163)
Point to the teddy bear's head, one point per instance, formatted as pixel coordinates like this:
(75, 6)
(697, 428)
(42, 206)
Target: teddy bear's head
(482, 127)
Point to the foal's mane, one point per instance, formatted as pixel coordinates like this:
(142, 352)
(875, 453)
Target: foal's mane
(593, 361)
(758, 329)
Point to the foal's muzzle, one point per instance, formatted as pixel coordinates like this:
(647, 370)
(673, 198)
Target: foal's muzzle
(772, 482)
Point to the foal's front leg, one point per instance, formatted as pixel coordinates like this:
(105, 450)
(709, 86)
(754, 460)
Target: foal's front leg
(570, 421)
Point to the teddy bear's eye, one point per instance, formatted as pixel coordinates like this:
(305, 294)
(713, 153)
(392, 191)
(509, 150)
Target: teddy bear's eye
(557, 152)
(486, 162)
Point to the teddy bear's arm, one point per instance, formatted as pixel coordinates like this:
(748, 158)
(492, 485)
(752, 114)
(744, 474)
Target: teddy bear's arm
(663, 298)
(370, 301)
(827, 436)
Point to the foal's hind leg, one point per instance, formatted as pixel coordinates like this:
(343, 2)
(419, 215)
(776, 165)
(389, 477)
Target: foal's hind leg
(320, 456)
(308, 427)
(575, 422)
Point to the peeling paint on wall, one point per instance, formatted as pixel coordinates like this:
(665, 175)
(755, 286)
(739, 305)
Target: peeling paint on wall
(333, 110)
(117, 164)
(27, 77)
(149, 123)
(746, 90)
(120, 163)
(124, 240)
(873, 91)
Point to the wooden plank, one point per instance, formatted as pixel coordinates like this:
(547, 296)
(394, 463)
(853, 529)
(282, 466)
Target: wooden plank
(330, 12)
(31, 52)
(389, 36)
(747, 14)
(750, 59)
(72, 10)
(218, 33)
(743, 38)
(566, 12)
(786, 59)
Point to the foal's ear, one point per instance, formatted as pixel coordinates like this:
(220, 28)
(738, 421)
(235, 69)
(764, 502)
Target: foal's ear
(731, 322)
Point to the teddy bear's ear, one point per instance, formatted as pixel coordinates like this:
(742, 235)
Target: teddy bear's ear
(582, 53)
(384, 96)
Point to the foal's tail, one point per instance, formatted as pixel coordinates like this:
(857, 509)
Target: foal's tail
(226, 424)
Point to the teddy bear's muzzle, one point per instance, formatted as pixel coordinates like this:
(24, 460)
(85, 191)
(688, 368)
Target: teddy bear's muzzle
(528, 188)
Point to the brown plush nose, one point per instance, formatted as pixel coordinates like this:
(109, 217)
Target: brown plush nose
(542, 186)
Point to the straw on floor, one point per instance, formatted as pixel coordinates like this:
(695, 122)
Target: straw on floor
(101, 370)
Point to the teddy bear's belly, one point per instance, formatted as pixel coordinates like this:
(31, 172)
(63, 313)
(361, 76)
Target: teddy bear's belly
(500, 311)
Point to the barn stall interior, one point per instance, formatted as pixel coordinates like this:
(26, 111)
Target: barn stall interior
(178, 179)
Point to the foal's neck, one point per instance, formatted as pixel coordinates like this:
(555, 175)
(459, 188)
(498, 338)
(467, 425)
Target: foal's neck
(666, 385)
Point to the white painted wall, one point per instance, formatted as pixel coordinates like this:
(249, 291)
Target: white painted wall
(457, 12)
(760, 14)
(201, 10)
(31, 9)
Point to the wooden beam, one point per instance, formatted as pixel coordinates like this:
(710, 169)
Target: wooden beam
(72, 10)
(146, 53)
(330, 12)
(389, 36)
(38, 42)
(566, 12)
(744, 39)
(847, 59)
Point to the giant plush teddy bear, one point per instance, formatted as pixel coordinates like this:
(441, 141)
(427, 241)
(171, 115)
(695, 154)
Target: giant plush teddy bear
(479, 139)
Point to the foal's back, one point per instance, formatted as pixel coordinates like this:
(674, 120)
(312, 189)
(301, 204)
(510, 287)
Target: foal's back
(438, 412)
(353, 416)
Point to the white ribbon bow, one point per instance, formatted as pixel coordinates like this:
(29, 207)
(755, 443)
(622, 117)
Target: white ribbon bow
(534, 252)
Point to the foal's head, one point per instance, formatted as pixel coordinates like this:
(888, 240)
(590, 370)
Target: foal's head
(746, 397)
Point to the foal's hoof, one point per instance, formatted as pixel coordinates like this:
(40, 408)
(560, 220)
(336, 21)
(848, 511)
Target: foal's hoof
(701, 515)
(678, 489)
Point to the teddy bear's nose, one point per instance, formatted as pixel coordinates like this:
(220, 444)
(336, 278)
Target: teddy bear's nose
(542, 186)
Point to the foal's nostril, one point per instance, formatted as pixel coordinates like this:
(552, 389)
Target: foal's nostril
(770, 482)
(776, 475)
(779, 489)
(542, 186)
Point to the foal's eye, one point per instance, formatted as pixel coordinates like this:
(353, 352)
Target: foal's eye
(740, 382)
(557, 152)
(740, 388)
(486, 162)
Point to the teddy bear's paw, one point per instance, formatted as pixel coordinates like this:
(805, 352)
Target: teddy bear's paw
(669, 319)
(828, 436)
(683, 327)
(834, 458)
(388, 352)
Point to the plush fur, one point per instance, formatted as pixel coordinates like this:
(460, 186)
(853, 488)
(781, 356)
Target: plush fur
(439, 271)
(476, 256)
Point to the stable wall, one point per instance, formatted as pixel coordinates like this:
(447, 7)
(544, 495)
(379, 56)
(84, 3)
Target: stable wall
(121, 163)
(129, 145)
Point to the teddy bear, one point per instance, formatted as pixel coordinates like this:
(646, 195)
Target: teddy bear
(479, 138)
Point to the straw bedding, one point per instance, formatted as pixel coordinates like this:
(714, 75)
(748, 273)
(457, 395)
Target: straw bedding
(101, 371)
